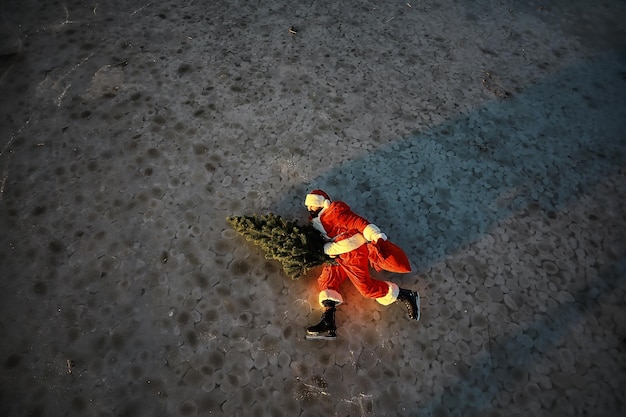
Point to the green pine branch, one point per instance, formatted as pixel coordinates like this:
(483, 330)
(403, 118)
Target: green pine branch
(298, 248)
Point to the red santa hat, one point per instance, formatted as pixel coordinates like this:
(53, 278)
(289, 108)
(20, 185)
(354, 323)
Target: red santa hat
(317, 198)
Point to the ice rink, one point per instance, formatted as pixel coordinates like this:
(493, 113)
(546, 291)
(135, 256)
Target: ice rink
(487, 138)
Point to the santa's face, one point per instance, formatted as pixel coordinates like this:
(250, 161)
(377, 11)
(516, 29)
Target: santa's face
(314, 211)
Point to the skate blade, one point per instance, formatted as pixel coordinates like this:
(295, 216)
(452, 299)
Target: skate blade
(320, 337)
(419, 307)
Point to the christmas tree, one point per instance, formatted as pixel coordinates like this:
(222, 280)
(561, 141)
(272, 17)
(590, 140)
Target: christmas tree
(298, 248)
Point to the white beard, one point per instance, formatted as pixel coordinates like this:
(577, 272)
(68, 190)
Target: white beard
(317, 224)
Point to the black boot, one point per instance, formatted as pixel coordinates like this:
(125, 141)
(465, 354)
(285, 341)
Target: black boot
(411, 300)
(326, 325)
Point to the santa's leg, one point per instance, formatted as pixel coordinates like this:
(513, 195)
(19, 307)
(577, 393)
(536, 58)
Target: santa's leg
(326, 328)
(410, 299)
(329, 298)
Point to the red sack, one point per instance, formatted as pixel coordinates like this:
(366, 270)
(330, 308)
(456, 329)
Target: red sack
(388, 256)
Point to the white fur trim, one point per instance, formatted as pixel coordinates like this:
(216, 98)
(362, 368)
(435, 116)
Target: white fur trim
(345, 245)
(331, 295)
(316, 200)
(391, 296)
(373, 233)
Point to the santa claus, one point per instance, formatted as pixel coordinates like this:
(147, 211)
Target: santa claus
(355, 243)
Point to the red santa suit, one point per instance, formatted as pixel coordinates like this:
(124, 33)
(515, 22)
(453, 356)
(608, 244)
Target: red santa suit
(348, 234)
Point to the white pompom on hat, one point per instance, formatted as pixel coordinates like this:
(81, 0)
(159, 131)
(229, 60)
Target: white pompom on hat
(317, 198)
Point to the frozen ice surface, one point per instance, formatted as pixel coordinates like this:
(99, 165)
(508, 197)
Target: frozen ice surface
(486, 138)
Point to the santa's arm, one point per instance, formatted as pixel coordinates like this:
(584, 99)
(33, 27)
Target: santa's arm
(370, 231)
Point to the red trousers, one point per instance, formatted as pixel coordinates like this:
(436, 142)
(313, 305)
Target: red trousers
(353, 265)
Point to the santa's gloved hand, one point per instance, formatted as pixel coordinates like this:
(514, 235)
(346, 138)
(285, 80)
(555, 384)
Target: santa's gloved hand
(372, 233)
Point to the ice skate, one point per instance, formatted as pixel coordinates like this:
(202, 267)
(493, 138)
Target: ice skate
(411, 300)
(325, 329)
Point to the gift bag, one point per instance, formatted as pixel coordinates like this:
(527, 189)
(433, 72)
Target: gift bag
(384, 255)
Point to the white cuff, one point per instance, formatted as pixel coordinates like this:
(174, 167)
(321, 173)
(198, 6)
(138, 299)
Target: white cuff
(373, 233)
(392, 294)
(331, 295)
(344, 246)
